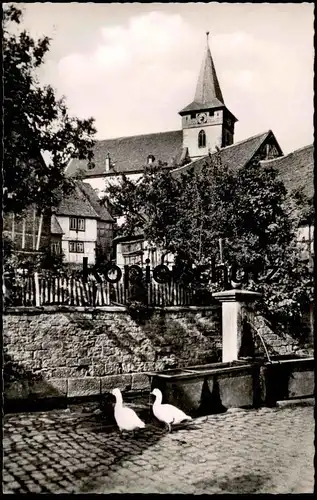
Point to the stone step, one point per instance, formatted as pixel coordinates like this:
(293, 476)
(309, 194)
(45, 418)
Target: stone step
(296, 402)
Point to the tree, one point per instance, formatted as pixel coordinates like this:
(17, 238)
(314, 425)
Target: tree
(35, 121)
(248, 209)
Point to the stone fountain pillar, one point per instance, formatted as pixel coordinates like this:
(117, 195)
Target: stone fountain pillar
(233, 302)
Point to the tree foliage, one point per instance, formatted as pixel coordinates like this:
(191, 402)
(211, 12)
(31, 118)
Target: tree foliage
(187, 214)
(35, 121)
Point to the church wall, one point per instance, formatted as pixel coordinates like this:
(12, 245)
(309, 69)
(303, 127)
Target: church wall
(100, 183)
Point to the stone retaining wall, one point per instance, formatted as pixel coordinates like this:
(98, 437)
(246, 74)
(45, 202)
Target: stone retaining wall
(75, 352)
(279, 344)
(79, 352)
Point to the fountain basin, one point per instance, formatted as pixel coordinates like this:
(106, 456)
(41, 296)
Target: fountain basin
(288, 378)
(246, 383)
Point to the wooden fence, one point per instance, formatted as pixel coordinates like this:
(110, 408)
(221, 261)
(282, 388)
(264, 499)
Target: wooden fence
(36, 290)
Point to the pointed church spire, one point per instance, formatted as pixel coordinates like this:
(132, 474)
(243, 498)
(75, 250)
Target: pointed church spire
(208, 87)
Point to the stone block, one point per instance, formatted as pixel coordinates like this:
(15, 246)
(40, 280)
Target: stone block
(140, 381)
(87, 386)
(83, 361)
(236, 391)
(61, 372)
(33, 346)
(48, 363)
(72, 362)
(48, 388)
(18, 389)
(301, 383)
(98, 370)
(41, 354)
(122, 381)
(60, 384)
(112, 369)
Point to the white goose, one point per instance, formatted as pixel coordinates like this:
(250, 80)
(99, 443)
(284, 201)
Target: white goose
(126, 418)
(168, 414)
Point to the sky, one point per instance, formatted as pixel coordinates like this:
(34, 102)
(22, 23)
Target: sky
(134, 66)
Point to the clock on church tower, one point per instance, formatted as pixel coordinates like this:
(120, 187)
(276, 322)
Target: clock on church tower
(201, 117)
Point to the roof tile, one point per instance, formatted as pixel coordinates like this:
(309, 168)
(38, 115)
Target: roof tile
(95, 201)
(76, 204)
(296, 169)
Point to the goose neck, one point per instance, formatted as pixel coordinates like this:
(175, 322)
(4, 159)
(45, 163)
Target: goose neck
(119, 400)
(158, 399)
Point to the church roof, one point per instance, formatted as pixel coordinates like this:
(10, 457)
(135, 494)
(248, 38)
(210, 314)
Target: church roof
(197, 106)
(208, 87)
(130, 154)
(296, 169)
(235, 156)
(208, 92)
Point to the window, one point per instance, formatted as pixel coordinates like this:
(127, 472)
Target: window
(81, 224)
(56, 247)
(76, 247)
(76, 224)
(202, 139)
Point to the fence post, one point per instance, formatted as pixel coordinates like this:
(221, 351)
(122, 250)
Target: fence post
(37, 290)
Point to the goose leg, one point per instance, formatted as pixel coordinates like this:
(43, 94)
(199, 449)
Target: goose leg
(169, 427)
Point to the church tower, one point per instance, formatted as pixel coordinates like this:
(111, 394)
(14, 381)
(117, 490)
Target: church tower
(207, 124)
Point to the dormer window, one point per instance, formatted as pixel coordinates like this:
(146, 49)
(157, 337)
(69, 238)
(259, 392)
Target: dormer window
(201, 139)
(150, 159)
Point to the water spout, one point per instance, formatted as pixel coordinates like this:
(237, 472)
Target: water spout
(266, 351)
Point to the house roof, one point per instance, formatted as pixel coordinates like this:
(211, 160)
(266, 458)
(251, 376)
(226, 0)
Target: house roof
(83, 201)
(130, 154)
(95, 201)
(296, 169)
(55, 226)
(77, 204)
(235, 156)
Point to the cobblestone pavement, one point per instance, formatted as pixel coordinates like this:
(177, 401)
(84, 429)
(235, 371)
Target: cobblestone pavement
(241, 451)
